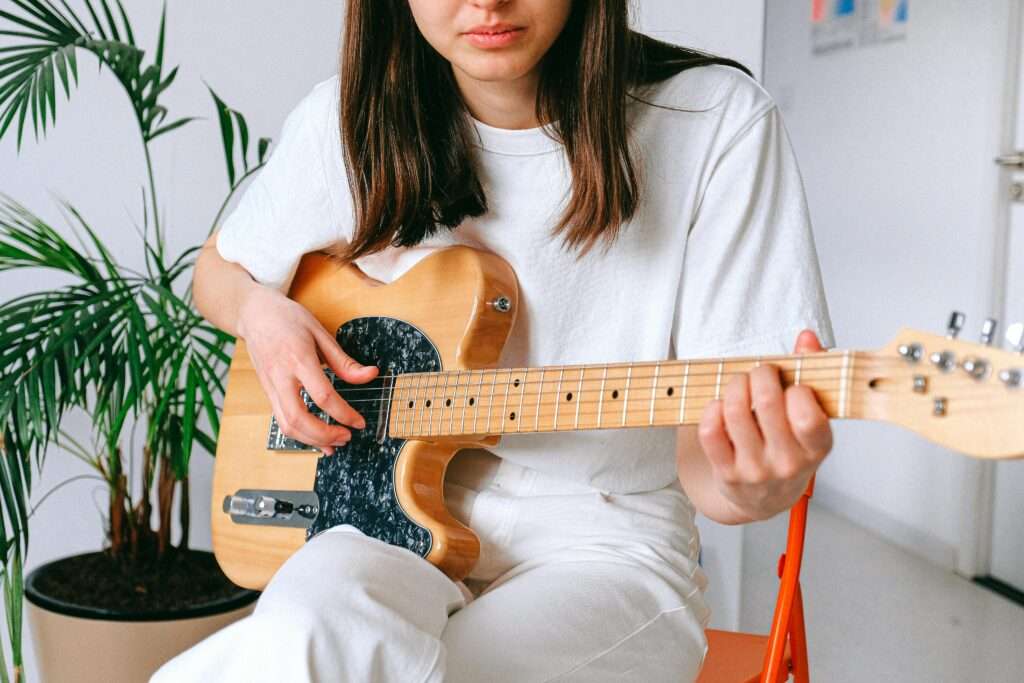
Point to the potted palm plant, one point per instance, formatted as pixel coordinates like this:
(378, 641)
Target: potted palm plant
(125, 346)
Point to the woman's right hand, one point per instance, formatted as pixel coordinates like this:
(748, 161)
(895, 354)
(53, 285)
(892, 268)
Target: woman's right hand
(286, 345)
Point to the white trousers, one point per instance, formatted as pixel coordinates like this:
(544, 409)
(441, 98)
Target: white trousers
(573, 584)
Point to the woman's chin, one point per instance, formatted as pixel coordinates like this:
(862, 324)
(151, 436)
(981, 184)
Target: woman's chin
(494, 68)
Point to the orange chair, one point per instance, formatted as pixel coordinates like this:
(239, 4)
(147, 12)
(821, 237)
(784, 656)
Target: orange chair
(750, 658)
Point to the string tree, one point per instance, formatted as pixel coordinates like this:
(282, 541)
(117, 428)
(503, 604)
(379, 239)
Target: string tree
(988, 331)
(955, 324)
(1015, 337)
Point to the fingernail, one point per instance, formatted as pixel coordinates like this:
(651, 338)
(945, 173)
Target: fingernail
(341, 443)
(327, 451)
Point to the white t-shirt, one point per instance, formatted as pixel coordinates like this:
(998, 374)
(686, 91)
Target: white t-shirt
(719, 259)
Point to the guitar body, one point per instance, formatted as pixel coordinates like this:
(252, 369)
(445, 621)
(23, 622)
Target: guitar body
(440, 315)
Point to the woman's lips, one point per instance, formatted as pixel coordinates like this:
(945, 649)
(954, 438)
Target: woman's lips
(494, 37)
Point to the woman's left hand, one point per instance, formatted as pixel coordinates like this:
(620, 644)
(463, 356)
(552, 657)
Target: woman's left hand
(763, 441)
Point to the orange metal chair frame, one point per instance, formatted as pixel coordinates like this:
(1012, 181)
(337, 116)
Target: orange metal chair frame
(788, 625)
(737, 657)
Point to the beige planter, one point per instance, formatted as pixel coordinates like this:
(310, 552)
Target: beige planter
(70, 645)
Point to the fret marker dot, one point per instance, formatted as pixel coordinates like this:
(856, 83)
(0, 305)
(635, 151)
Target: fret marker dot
(428, 402)
(670, 391)
(615, 393)
(411, 403)
(447, 401)
(568, 397)
(512, 415)
(515, 383)
(472, 401)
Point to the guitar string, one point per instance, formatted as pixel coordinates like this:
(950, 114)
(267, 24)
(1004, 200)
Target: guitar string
(961, 401)
(526, 417)
(482, 409)
(541, 424)
(425, 393)
(765, 360)
(473, 375)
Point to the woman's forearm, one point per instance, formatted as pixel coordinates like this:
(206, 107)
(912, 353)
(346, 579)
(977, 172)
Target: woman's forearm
(220, 288)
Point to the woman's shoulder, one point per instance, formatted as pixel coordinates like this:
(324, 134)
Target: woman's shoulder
(314, 123)
(320, 105)
(720, 95)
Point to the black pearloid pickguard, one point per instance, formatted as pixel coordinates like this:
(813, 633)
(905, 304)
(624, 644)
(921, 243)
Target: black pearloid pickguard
(356, 485)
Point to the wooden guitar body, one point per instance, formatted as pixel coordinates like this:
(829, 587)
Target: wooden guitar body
(453, 310)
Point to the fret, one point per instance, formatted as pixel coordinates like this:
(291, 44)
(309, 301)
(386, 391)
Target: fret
(579, 399)
(432, 400)
(455, 402)
(799, 368)
(504, 407)
(522, 393)
(682, 398)
(654, 392)
(600, 400)
(490, 402)
(558, 397)
(844, 386)
(412, 399)
(407, 388)
(476, 402)
(440, 416)
(718, 380)
(398, 398)
(387, 406)
(625, 392)
(465, 403)
(421, 395)
(540, 392)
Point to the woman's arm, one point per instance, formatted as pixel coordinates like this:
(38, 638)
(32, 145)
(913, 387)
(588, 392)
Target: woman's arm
(756, 449)
(286, 345)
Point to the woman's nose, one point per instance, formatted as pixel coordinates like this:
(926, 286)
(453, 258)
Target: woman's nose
(488, 4)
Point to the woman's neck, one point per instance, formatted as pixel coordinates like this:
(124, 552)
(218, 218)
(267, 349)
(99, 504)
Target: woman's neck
(502, 104)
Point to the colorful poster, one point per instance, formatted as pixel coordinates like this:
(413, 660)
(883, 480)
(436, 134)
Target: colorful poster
(885, 20)
(840, 24)
(835, 24)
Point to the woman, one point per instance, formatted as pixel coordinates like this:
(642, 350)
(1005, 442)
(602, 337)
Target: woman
(647, 199)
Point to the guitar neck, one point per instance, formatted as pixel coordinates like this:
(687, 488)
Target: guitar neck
(603, 396)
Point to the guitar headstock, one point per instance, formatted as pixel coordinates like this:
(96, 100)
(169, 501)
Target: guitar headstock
(967, 396)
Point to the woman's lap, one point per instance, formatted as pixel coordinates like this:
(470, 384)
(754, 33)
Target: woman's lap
(580, 586)
(584, 614)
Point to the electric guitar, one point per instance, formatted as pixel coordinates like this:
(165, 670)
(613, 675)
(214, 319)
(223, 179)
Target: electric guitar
(436, 334)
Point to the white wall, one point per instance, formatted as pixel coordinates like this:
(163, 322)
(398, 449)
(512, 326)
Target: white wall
(896, 144)
(729, 28)
(261, 57)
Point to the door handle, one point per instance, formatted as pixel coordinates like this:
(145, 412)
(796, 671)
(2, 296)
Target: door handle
(1015, 159)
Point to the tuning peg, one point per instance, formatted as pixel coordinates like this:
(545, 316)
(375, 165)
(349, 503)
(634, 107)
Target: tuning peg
(988, 331)
(1015, 337)
(956, 323)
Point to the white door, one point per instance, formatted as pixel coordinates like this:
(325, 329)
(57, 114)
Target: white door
(1007, 559)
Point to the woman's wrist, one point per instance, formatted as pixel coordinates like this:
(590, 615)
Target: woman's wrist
(252, 300)
(753, 503)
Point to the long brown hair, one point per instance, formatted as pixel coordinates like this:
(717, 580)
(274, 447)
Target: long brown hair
(407, 135)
